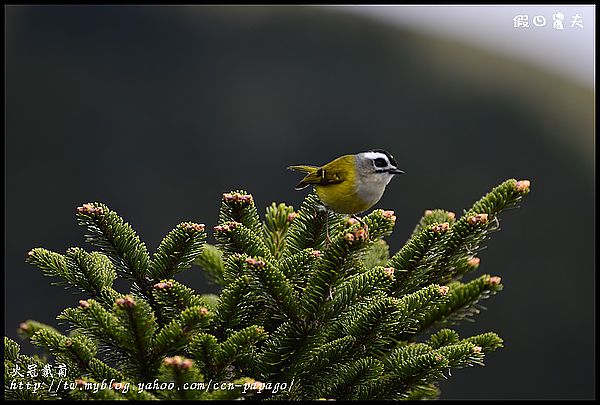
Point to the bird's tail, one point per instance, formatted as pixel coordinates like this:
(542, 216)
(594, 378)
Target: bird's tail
(303, 168)
(308, 179)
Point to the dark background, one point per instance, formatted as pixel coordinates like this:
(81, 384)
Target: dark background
(156, 111)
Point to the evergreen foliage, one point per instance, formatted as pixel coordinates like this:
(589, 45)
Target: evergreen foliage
(300, 315)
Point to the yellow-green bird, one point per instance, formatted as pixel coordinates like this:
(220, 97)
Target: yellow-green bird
(351, 184)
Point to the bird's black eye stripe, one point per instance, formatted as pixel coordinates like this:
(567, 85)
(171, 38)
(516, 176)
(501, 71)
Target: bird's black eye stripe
(380, 162)
(390, 157)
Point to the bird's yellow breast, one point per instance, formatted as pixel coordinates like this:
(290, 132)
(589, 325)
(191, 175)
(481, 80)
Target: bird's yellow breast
(342, 197)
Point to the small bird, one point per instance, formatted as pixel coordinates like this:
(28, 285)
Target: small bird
(351, 184)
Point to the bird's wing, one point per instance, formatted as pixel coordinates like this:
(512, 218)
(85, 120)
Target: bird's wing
(317, 175)
(338, 170)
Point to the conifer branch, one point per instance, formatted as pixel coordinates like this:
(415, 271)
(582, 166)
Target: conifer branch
(76, 351)
(277, 286)
(115, 238)
(275, 226)
(238, 206)
(353, 289)
(178, 333)
(89, 273)
(308, 229)
(235, 238)
(462, 302)
(138, 320)
(434, 217)
(336, 318)
(28, 328)
(338, 260)
(173, 298)
(211, 261)
(180, 370)
(235, 310)
(241, 346)
(177, 250)
(377, 254)
(298, 266)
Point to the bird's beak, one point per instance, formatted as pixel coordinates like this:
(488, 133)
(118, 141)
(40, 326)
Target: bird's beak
(396, 171)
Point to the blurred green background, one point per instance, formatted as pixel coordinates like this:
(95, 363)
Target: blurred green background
(156, 111)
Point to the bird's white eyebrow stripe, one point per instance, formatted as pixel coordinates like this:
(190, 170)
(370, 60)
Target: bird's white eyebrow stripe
(375, 155)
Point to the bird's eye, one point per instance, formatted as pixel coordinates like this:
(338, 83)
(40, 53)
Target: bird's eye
(380, 162)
